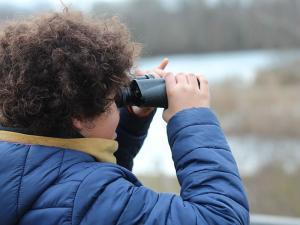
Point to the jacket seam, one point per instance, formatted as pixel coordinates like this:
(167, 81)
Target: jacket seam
(229, 198)
(20, 182)
(67, 168)
(60, 166)
(175, 133)
(61, 207)
(154, 204)
(62, 160)
(197, 124)
(126, 205)
(199, 148)
(44, 160)
(101, 190)
(210, 171)
(169, 209)
(210, 207)
(198, 213)
(72, 209)
(38, 197)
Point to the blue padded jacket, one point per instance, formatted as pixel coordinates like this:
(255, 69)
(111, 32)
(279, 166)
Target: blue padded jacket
(42, 185)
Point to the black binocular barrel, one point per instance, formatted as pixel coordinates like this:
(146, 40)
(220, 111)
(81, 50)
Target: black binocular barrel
(144, 91)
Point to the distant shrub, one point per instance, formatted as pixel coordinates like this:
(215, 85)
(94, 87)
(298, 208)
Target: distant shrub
(284, 74)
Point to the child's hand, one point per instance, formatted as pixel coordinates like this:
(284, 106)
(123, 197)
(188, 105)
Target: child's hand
(183, 92)
(157, 73)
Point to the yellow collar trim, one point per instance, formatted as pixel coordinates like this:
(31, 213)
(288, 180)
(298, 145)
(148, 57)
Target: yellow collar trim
(102, 149)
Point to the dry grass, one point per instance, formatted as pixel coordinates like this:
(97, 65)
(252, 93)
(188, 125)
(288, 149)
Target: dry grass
(274, 191)
(268, 108)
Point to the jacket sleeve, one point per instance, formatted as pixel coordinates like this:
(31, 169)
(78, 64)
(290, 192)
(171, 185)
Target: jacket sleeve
(211, 188)
(131, 133)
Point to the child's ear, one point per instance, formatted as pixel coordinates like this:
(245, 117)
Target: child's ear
(77, 123)
(82, 124)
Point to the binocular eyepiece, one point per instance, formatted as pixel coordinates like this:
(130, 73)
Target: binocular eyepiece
(146, 91)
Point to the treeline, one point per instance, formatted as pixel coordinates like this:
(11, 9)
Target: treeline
(193, 26)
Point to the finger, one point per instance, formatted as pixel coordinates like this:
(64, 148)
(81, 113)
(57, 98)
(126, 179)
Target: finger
(189, 78)
(204, 88)
(169, 74)
(163, 64)
(160, 73)
(139, 72)
(154, 73)
(181, 78)
(170, 82)
(194, 81)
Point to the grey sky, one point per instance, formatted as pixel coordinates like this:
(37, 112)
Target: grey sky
(82, 4)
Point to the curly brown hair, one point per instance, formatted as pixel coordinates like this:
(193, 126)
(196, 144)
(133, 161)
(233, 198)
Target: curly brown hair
(59, 66)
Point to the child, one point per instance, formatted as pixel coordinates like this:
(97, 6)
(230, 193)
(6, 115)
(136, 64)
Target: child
(59, 74)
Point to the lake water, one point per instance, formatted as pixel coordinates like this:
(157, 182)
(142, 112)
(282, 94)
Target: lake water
(250, 152)
(218, 66)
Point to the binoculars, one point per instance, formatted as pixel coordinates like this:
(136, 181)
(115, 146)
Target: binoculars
(145, 91)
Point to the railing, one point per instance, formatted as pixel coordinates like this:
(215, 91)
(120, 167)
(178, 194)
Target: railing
(273, 220)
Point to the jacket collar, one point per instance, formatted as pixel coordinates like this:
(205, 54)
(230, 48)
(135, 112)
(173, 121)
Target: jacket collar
(102, 149)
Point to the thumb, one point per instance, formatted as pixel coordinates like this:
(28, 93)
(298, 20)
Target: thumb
(163, 64)
(166, 115)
